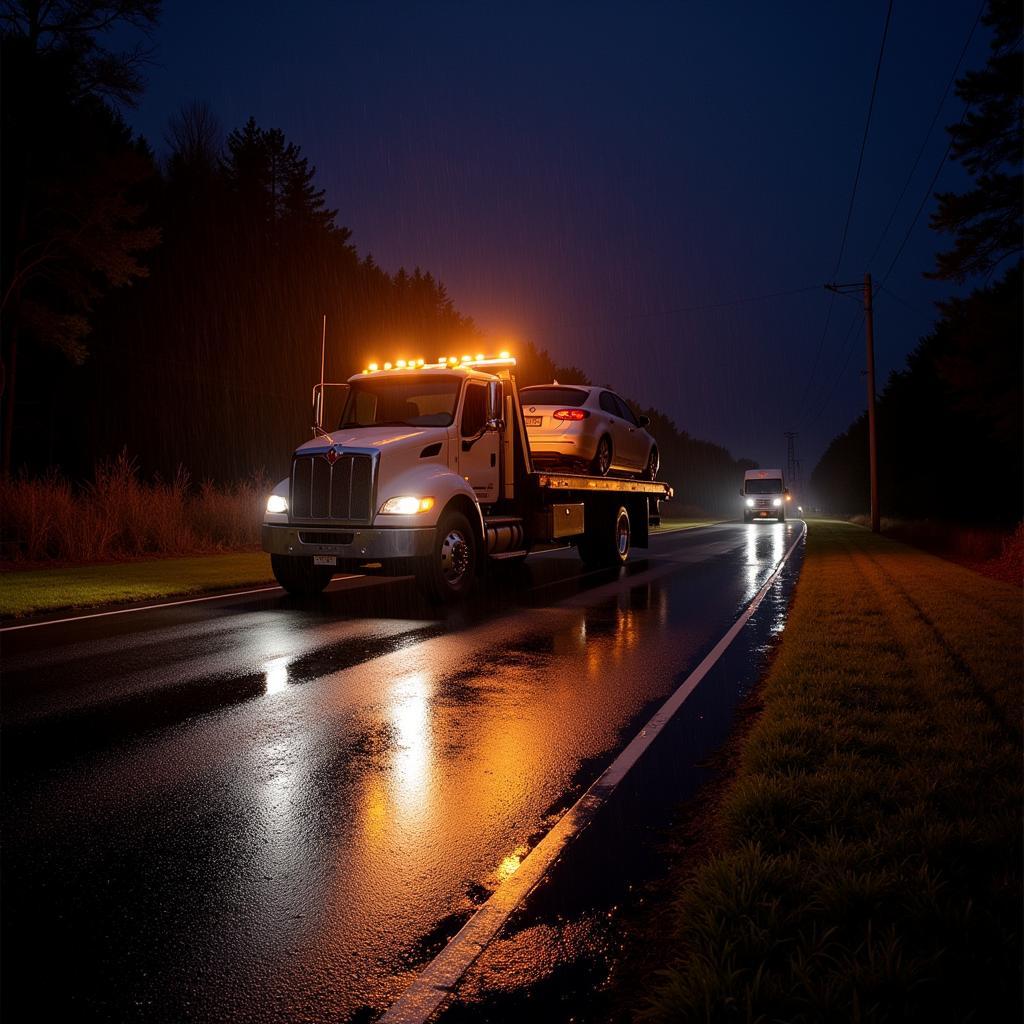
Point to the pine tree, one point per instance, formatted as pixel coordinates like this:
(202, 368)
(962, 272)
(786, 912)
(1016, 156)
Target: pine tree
(986, 221)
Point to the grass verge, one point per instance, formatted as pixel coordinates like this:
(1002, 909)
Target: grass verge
(37, 590)
(671, 525)
(865, 860)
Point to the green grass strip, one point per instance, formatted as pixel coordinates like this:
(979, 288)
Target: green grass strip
(671, 525)
(24, 592)
(867, 862)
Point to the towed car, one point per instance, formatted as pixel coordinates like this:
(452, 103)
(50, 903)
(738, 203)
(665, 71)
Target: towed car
(590, 428)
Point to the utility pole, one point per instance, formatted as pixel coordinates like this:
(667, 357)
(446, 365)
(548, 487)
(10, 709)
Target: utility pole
(869, 324)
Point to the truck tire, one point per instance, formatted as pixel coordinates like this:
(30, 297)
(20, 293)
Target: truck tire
(299, 576)
(605, 545)
(448, 573)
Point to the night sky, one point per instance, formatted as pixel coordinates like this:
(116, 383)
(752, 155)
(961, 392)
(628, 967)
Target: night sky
(581, 175)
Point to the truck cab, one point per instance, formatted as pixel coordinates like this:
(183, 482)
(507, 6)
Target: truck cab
(428, 472)
(764, 495)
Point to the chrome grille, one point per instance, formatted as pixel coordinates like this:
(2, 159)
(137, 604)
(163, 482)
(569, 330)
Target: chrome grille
(342, 492)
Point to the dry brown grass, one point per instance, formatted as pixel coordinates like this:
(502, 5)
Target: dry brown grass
(117, 515)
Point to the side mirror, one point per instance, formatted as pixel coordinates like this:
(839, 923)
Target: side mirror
(494, 419)
(644, 421)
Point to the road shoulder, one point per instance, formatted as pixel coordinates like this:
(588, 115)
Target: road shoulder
(866, 852)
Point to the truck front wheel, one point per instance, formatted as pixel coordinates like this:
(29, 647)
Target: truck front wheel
(298, 575)
(606, 542)
(447, 574)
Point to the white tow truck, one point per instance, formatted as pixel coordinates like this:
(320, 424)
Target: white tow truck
(429, 473)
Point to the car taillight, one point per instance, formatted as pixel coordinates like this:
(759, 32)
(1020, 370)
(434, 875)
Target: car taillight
(570, 414)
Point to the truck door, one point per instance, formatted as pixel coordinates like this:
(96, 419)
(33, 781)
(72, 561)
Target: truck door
(477, 446)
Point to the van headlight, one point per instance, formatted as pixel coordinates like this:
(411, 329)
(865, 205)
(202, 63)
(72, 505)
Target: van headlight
(277, 503)
(750, 502)
(776, 502)
(406, 505)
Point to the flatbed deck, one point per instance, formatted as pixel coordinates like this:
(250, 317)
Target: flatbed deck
(608, 484)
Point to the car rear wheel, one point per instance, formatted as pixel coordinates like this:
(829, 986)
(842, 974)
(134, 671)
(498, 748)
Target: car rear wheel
(653, 464)
(602, 461)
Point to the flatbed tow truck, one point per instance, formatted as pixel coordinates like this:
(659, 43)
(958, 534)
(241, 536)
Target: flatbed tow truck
(430, 474)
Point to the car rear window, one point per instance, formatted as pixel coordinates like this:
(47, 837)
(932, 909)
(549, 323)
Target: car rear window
(553, 396)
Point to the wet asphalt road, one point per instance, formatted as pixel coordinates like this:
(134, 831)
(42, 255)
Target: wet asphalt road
(271, 810)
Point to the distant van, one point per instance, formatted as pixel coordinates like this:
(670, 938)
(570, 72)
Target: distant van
(764, 495)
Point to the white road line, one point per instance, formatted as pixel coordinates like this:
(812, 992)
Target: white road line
(152, 607)
(436, 982)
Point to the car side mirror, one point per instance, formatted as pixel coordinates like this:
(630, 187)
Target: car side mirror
(644, 421)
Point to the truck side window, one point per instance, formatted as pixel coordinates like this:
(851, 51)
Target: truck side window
(474, 409)
(609, 404)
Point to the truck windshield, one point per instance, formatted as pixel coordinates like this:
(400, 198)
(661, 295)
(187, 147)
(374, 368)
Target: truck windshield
(771, 486)
(422, 401)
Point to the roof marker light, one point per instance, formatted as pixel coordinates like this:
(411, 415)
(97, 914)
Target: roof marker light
(387, 366)
(504, 355)
(400, 363)
(372, 367)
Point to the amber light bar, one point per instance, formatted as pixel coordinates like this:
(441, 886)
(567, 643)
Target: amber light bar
(501, 359)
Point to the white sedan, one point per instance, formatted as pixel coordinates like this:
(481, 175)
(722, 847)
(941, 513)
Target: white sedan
(591, 427)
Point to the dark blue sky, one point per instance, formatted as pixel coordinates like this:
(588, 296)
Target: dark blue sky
(571, 171)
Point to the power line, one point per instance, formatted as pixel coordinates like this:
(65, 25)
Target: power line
(927, 136)
(835, 383)
(849, 209)
(930, 317)
(863, 141)
(924, 199)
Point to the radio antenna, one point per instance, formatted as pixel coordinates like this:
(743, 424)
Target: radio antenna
(323, 354)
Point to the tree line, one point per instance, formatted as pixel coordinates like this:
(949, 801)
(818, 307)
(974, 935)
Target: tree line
(949, 423)
(174, 307)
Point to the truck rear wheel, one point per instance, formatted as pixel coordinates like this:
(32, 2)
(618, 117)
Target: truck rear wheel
(606, 542)
(448, 573)
(299, 576)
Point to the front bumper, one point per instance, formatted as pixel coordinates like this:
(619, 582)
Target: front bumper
(356, 544)
(763, 513)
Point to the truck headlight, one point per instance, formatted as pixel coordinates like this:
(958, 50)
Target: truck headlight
(750, 502)
(776, 502)
(277, 503)
(406, 505)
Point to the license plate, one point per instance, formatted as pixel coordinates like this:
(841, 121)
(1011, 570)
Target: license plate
(534, 421)
(325, 559)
